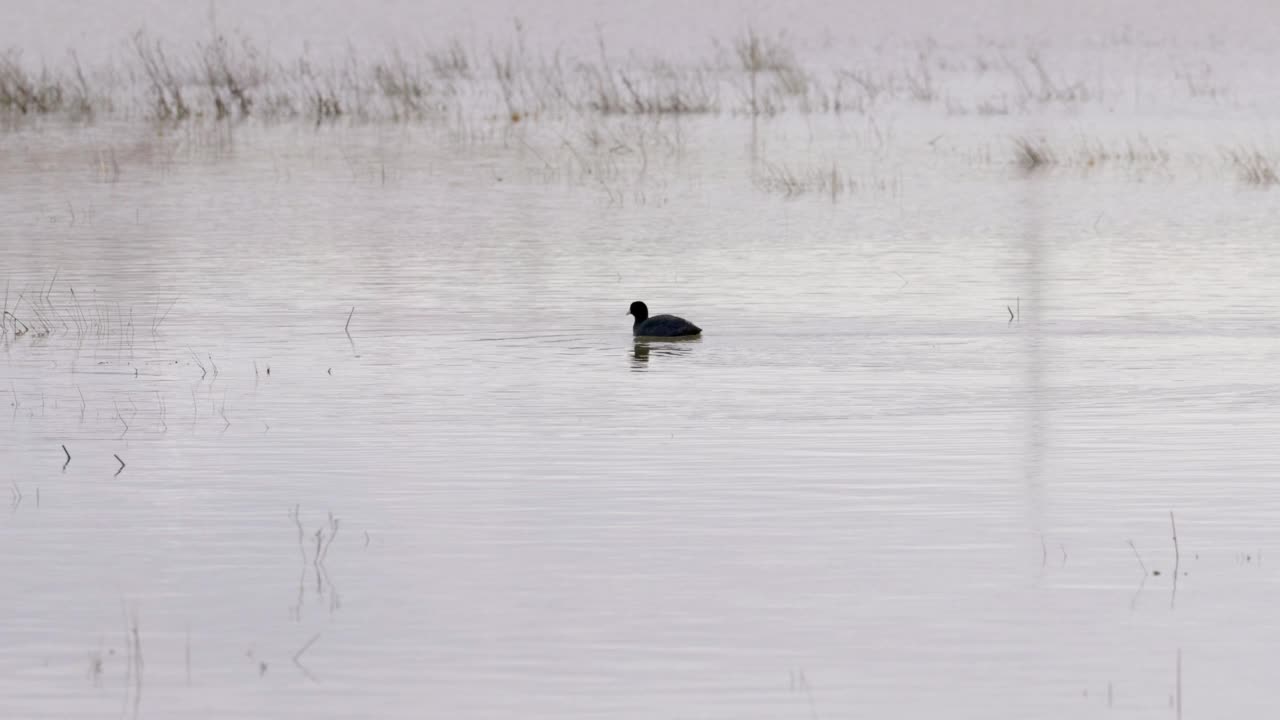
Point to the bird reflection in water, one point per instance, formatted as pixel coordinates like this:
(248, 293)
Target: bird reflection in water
(644, 349)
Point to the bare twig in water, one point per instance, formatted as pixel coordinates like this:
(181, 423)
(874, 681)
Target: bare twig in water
(121, 418)
(223, 412)
(318, 563)
(297, 658)
(315, 561)
(1140, 563)
(333, 533)
(347, 329)
(1133, 602)
(203, 371)
(294, 514)
(16, 323)
(157, 322)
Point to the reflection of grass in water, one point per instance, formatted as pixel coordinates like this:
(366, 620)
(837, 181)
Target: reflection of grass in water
(1035, 153)
(1251, 164)
(46, 312)
(792, 182)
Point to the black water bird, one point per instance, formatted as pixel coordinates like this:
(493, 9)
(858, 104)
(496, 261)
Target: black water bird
(659, 325)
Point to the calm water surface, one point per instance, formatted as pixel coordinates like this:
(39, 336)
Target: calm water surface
(864, 493)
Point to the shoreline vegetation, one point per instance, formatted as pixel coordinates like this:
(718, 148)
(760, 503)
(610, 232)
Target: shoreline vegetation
(232, 78)
(580, 116)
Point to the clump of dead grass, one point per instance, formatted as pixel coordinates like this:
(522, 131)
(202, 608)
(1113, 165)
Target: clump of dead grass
(1252, 166)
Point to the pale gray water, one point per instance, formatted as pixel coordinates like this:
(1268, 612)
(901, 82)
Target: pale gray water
(864, 493)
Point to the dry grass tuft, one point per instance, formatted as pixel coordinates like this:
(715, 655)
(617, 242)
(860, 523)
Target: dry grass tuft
(1252, 166)
(1031, 154)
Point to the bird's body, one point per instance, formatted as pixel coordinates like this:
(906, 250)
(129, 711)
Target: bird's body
(660, 325)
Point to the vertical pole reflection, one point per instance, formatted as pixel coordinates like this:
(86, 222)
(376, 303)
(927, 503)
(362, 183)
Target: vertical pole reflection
(1034, 181)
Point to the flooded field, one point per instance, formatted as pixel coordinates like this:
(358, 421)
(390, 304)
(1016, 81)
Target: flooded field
(320, 399)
